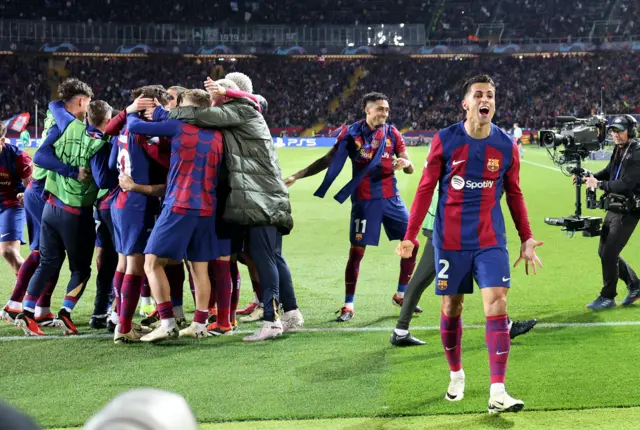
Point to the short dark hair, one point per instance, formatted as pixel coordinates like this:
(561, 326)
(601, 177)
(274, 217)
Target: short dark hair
(153, 92)
(98, 111)
(199, 97)
(372, 97)
(478, 79)
(73, 87)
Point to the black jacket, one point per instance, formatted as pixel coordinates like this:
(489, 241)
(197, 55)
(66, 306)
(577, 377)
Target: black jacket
(257, 195)
(628, 182)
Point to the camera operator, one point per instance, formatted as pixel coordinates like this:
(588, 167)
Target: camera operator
(621, 177)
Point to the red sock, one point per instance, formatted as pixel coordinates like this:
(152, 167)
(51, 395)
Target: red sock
(351, 273)
(498, 344)
(223, 292)
(45, 298)
(235, 292)
(200, 317)
(451, 336)
(257, 289)
(118, 279)
(406, 270)
(165, 309)
(131, 286)
(145, 291)
(212, 280)
(27, 269)
(175, 274)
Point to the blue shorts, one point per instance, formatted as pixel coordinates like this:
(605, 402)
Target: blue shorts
(457, 269)
(177, 236)
(34, 206)
(131, 230)
(367, 216)
(104, 227)
(12, 224)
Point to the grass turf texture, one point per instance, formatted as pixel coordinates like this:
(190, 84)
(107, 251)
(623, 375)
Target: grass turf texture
(358, 374)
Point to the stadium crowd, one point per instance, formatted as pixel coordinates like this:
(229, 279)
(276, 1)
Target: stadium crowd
(423, 93)
(448, 20)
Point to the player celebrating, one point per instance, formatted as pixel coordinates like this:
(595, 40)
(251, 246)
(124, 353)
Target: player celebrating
(68, 214)
(186, 226)
(372, 146)
(15, 171)
(474, 161)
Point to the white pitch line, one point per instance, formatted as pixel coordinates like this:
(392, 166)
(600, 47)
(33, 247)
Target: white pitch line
(347, 330)
(555, 169)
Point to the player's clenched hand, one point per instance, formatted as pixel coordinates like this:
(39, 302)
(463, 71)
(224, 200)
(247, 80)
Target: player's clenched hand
(84, 175)
(528, 254)
(290, 180)
(126, 183)
(400, 163)
(20, 197)
(405, 249)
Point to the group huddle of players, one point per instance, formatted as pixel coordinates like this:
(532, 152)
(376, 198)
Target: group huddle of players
(146, 192)
(156, 194)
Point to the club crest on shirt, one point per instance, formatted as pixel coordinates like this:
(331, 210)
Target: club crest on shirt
(442, 285)
(358, 237)
(493, 165)
(389, 143)
(359, 142)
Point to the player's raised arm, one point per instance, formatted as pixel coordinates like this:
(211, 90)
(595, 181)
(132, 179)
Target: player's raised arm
(312, 169)
(422, 200)
(518, 210)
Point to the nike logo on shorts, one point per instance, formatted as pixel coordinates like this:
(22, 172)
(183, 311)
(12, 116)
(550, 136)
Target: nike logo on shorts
(3, 235)
(455, 163)
(505, 279)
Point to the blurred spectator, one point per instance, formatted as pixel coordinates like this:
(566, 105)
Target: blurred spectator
(145, 409)
(12, 419)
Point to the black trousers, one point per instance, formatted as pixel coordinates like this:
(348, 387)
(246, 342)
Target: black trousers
(107, 264)
(63, 231)
(265, 249)
(423, 276)
(616, 230)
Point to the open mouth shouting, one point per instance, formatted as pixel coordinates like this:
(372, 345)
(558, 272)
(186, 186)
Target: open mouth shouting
(484, 111)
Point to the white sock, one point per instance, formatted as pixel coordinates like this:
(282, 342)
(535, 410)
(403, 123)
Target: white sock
(399, 295)
(146, 301)
(349, 306)
(40, 312)
(200, 326)
(510, 323)
(178, 311)
(497, 390)
(401, 332)
(16, 306)
(457, 375)
(67, 309)
(168, 323)
(114, 317)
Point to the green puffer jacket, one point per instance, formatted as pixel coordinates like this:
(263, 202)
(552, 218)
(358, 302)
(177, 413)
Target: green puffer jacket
(258, 195)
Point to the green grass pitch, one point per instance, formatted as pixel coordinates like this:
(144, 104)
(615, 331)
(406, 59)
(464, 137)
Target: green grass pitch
(568, 375)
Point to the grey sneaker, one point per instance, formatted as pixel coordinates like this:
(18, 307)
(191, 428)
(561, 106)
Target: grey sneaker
(633, 295)
(601, 303)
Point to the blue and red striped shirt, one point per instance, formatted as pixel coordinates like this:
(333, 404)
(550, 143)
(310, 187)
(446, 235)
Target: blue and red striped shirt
(380, 181)
(473, 173)
(15, 165)
(196, 158)
(131, 157)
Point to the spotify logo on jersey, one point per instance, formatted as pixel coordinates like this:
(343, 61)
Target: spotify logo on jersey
(457, 182)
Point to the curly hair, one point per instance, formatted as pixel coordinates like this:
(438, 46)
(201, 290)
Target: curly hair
(73, 87)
